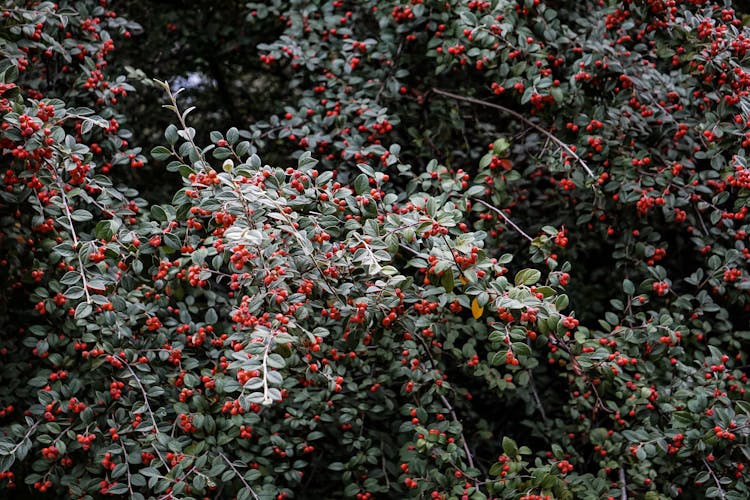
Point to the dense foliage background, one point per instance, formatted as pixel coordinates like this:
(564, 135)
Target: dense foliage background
(493, 249)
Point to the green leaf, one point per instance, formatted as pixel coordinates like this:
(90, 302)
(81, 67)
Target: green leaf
(527, 277)
(74, 293)
(222, 154)
(252, 475)
(306, 161)
(159, 214)
(557, 94)
(171, 134)
(484, 162)
(10, 74)
(105, 229)
(160, 153)
(81, 215)
(83, 310)
(500, 146)
(351, 490)
(521, 349)
(172, 241)
(119, 470)
(38, 381)
(6, 462)
(361, 184)
(71, 278)
(743, 406)
(509, 447)
(682, 418)
(245, 494)
(447, 281)
(545, 291)
(561, 302)
(233, 135)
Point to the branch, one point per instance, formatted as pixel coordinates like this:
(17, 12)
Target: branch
(148, 407)
(538, 401)
(382, 464)
(76, 241)
(624, 487)
(505, 217)
(722, 495)
(519, 116)
(447, 244)
(267, 400)
(181, 119)
(449, 407)
(25, 437)
(463, 438)
(391, 71)
(231, 466)
(127, 467)
(304, 249)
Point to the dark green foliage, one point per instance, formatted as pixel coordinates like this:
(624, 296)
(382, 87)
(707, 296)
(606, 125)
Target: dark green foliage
(494, 249)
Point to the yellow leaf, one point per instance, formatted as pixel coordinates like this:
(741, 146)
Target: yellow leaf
(476, 310)
(463, 279)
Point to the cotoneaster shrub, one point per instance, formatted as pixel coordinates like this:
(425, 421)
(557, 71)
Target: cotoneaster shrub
(499, 250)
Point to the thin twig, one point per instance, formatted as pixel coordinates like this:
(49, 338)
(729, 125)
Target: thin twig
(76, 241)
(573, 361)
(127, 467)
(722, 495)
(148, 408)
(382, 465)
(447, 244)
(599, 402)
(700, 218)
(267, 400)
(505, 217)
(536, 397)
(302, 245)
(13, 450)
(183, 124)
(624, 486)
(391, 71)
(448, 405)
(231, 466)
(519, 116)
(463, 438)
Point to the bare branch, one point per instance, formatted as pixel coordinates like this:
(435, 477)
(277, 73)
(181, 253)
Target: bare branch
(506, 218)
(519, 116)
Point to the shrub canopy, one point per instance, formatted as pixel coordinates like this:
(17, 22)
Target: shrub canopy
(384, 249)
